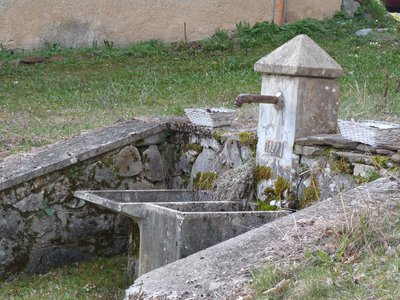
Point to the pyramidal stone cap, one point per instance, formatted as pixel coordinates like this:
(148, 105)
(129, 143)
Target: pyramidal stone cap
(300, 56)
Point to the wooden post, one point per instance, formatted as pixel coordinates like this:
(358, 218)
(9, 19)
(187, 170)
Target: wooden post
(279, 16)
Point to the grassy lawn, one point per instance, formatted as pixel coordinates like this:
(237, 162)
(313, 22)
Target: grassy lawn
(99, 279)
(81, 89)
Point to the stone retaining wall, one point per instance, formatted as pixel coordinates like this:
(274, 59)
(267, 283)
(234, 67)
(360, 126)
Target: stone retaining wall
(42, 225)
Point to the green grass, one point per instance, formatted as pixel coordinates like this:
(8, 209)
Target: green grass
(92, 87)
(365, 264)
(99, 279)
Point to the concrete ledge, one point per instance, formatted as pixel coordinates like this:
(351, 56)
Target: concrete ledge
(21, 168)
(223, 270)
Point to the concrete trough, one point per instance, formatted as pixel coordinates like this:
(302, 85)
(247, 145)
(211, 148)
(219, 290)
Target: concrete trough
(174, 224)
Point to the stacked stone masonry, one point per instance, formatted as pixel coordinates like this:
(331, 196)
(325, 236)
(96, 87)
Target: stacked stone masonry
(42, 225)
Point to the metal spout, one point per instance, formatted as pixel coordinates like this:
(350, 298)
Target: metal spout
(277, 100)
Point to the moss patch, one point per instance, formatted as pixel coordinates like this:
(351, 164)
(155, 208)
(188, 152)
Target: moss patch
(74, 172)
(249, 139)
(220, 136)
(269, 194)
(204, 181)
(281, 186)
(194, 147)
(381, 161)
(265, 206)
(341, 166)
(311, 193)
(262, 173)
(371, 176)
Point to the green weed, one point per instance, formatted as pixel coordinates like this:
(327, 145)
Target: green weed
(99, 279)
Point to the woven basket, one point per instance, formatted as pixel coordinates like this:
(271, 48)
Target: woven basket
(211, 117)
(374, 133)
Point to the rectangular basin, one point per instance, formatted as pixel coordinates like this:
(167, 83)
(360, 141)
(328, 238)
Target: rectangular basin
(176, 223)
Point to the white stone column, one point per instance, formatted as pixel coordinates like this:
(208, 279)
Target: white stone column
(306, 76)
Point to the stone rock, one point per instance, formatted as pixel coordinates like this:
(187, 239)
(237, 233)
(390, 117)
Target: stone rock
(39, 182)
(353, 157)
(160, 185)
(154, 166)
(45, 226)
(33, 60)
(75, 203)
(364, 32)
(334, 140)
(177, 183)
(205, 162)
(8, 197)
(142, 184)
(6, 254)
(31, 203)
(186, 161)
(362, 170)
(366, 148)
(332, 185)
(84, 227)
(246, 153)
(23, 190)
(57, 192)
(350, 7)
(152, 140)
(308, 150)
(230, 156)
(385, 152)
(210, 143)
(395, 157)
(63, 216)
(104, 176)
(11, 224)
(128, 162)
(394, 147)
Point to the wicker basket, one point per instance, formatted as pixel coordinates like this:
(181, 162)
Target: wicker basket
(211, 117)
(374, 133)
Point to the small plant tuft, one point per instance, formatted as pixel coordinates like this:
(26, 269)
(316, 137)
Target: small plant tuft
(248, 139)
(204, 181)
(311, 193)
(282, 186)
(194, 147)
(262, 173)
